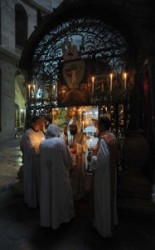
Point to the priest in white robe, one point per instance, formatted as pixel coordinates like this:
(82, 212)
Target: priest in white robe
(104, 165)
(56, 204)
(31, 161)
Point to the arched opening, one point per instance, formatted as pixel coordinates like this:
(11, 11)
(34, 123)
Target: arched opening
(95, 49)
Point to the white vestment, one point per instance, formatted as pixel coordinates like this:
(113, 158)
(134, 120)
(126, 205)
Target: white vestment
(78, 171)
(31, 143)
(104, 191)
(56, 203)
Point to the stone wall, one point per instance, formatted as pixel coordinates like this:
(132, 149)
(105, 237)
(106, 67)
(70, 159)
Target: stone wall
(9, 59)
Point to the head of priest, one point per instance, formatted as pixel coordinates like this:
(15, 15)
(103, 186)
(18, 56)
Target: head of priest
(52, 131)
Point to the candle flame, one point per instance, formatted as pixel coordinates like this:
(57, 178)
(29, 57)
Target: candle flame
(125, 75)
(93, 78)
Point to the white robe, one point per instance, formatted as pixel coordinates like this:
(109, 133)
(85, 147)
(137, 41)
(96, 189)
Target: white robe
(103, 200)
(56, 203)
(31, 159)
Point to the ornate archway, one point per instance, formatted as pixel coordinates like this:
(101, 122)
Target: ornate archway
(95, 41)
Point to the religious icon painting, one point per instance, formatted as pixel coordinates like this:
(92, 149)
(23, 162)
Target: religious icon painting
(73, 84)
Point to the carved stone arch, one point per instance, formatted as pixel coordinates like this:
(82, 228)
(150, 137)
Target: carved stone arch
(106, 32)
(109, 13)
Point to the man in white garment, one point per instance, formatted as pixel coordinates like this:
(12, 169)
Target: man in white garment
(31, 159)
(56, 203)
(104, 164)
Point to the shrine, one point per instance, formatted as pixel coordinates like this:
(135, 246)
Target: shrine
(85, 64)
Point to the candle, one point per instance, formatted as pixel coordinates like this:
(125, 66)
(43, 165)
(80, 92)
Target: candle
(111, 76)
(53, 89)
(29, 89)
(125, 76)
(93, 78)
(83, 124)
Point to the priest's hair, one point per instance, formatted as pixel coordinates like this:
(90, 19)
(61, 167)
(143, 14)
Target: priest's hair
(52, 130)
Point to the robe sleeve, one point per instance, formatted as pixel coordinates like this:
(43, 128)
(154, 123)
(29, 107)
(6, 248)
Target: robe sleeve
(102, 156)
(29, 147)
(67, 156)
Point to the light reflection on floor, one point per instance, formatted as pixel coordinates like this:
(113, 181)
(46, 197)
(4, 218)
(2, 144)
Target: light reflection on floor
(10, 163)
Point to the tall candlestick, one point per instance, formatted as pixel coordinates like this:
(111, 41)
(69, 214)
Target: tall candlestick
(111, 76)
(125, 77)
(93, 78)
